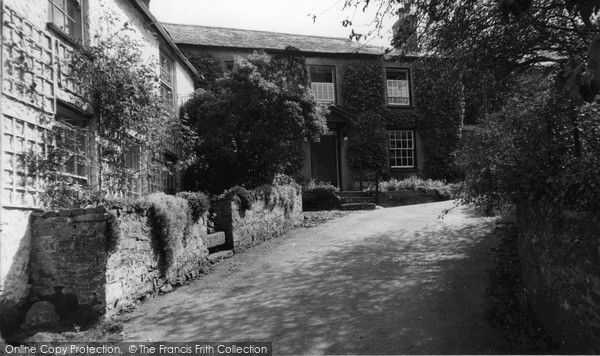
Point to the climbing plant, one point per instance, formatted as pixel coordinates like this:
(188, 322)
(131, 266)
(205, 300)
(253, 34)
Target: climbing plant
(363, 94)
(119, 92)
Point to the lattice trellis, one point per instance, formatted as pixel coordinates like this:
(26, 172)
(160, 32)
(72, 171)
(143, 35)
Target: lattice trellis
(21, 187)
(29, 80)
(28, 63)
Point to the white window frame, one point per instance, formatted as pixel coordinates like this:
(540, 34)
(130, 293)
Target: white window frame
(167, 77)
(79, 164)
(398, 90)
(60, 7)
(324, 91)
(402, 148)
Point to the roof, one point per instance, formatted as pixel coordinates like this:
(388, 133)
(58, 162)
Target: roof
(237, 38)
(141, 5)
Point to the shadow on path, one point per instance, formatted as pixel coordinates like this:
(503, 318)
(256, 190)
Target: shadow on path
(361, 284)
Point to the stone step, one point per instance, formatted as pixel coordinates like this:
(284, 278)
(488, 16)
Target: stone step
(359, 206)
(219, 256)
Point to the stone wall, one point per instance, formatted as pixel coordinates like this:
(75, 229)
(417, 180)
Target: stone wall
(244, 229)
(103, 261)
(560, 259)
(406, 197)
(68, 255)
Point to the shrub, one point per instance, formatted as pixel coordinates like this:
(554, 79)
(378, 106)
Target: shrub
(241, 195)
(320, 196)
(441, 190)
(198, 202)
(278, 195)
(283, 179)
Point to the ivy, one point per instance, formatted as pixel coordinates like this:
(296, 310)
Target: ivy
(209, 70)
(437, 116)
(363, 94)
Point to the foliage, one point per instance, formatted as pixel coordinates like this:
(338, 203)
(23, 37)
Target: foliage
(283, 179)
(277, 195)
(199, 203)
(209, 70)
(440, 188)
(437, 116)
(320, 196)
(170, 218)
(120, 91)
(240, 195)
(252, 127)
(540, 146)
(501, 38)
(363, 94)
(312, 184)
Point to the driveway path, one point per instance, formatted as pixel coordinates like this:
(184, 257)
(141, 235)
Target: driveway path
(389, 281)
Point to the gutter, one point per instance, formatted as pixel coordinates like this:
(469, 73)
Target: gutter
(144, 10)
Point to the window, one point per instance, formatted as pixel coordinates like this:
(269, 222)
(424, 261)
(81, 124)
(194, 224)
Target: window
(72, 136)
(166, 78)
(322, 79)
(65, 15)
(132, 164)
(398, 88)
(229, 66)
(402, 149)
(169, 174)
(163, 174)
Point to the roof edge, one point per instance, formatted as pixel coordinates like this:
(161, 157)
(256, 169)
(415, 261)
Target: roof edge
(161, 30)
(360, 45)
(246, 30)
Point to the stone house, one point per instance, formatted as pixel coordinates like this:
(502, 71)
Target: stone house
(328, 60)
(37, 97)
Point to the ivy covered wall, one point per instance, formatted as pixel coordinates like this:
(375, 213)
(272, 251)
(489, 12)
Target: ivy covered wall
(436, 113)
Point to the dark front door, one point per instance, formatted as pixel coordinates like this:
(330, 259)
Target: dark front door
(324, 160)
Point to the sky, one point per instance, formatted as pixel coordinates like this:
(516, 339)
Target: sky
(287, 16)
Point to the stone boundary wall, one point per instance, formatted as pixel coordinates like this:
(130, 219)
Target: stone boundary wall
(560, 259)
(406, 197)
(96, 262)
(244, 229)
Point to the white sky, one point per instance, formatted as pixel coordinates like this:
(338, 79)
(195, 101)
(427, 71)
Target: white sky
(287, 16)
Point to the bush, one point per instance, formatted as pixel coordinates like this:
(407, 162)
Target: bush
(199, 203)
(240, 195)
(278, 195)
(283, 179)
(441, 190)
(320, 196)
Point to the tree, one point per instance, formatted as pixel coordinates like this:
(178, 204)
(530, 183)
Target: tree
(492, 42)
(530, 72)
(253, 125)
